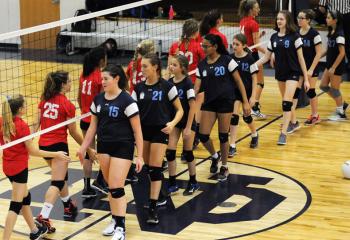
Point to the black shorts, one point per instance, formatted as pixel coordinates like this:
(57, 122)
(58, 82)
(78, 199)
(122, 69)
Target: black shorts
(124, 150)
(255, 56)
(84, 125)
(21, 177)
(218, 105)
(154, 134)
(238, 95)
(340, 70)
(55, 148)
(182, 125)
(290, 76)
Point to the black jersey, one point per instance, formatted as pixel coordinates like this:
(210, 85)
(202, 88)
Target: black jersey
(333, 43)
(186, 93)
(246, 67)
(310, 40)
(216, 78)
(286, 57)
(155, 102)
(113, 117)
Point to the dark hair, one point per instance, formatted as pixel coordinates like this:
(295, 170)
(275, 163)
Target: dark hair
(189, 28)
(290, 25)
(309, 13)
(92, 60)
(335, 15)
(10, 108)
(53, 84)
(209, 21)
(242, 39)
(117, 70)
(183, 61)
(245, 6)
(216, 40)
(154, 60)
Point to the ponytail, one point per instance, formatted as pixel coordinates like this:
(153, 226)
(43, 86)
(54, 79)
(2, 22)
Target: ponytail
(92, 60)
(53, 84)
(10, 108)
(245, 6)
(209, 21)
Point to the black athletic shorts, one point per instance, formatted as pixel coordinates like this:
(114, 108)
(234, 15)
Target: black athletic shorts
(255, 56)
(124, 150)
(182, 125)
(154, 134)
(219, 105)
(21, 177)
(84, 125)
(289, 76)
(339, 70)
(238, 95)
(55, 148)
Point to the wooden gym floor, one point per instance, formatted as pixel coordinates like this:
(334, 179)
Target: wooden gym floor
(274, 192)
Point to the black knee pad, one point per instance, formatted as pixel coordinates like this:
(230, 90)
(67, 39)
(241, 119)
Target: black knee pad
(261, 85)
(15, 207)
(223, 137)
(311, 93)
(287, 106)
(117, 192)
(248, 119)
(297, 93)
(234, 120)
(170, 155)
(325, 88)
(58, 184)
(27, 200)
(155, 173)
(189, 156)
(66, 177)
(203, 137)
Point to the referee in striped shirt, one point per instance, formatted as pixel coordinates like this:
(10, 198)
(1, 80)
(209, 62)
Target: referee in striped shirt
(343, 6)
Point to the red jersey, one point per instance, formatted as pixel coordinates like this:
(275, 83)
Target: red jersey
(248, 26)
(215, 31)
(90, 86)
(193, 52)
(136, 76)
(15, 158)
(52, 112)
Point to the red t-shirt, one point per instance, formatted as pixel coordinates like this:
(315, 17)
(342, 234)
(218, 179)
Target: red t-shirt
(215, 31)
(15, 158)
(90, 86)
(248, 26)
(194, 54)
(52, 112)
(135, 77)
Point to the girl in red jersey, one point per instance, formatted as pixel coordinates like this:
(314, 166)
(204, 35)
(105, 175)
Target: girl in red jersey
(15, 164)
(210, 25)
(191, 48)
(90, 85)
(133, 72)
(56, 108)
(248, 11)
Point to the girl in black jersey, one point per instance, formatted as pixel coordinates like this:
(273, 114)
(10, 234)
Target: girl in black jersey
(157, 99)
(216, 76)
(312, 51)
(115, 119)
(335, 64)
(178, 67)
(286, 44)
(248, 71)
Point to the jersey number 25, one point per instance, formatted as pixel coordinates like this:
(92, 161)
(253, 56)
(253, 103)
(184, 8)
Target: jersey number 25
(51, 110)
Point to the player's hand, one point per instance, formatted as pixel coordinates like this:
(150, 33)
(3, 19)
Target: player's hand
(81, 155)
(246, 109)
(331, 71)
(139, 164)
(306, 85)
(187, 132)
(92, 155)
(169, 128)
(272, 61)
(310, 73)
(252, 101)
(62, 156)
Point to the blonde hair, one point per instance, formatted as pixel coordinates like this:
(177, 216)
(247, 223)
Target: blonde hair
(10, 108)
(144, 47)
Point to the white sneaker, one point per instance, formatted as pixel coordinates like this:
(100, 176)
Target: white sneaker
(119, 234)
(258, 115)
(337, 117)
(109, 230)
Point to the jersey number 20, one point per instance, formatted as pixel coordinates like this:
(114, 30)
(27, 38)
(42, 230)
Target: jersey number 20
(51, 110)
(219, 71)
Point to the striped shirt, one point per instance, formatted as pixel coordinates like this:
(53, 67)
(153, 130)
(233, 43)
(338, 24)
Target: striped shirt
(343, 6)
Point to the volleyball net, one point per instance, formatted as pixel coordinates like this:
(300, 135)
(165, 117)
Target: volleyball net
(31, 53)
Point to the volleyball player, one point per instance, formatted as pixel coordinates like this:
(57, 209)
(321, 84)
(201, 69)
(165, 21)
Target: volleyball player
(312, 51)
(116, 121)
(248, 71)
(179, 67)
(248, 11)
(217, 77)
(56, 108)
(157, 100)
(286, 44)
(15, 165)
(210, 24)
(191, 48)
(335, 64)
(89, 86)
